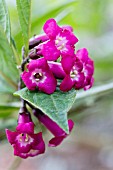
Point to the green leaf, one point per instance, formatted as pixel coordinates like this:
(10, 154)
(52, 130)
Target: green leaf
(5, 25)
(24, 11)
(40, 19)
(4, 18)
(55, 105)
(8, 70)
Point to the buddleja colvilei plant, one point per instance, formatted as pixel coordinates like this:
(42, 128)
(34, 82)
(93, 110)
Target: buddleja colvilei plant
(51, 73)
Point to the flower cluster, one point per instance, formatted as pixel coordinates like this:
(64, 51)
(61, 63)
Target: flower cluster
(53, 56)
(26, 143)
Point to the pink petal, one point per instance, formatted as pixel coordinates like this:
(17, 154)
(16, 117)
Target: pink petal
(56, 141)
(67, 27)
(90, 84)
(26, 79)
(67, 50)
(70, 124)
(79, 81)
(67, 84)
(51, 28)
(40, 63)
(31, 153)
(17, 153)
(11, 136)
(88, 70)
(67, 63)
(78, 65)
(82, 54)
(50, 51)
(22, 148)
(57, 69)
(90, 62)
(72, 39)
(49, 84)
(38, 143)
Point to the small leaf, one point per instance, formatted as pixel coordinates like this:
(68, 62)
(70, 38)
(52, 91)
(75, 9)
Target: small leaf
(4, 18)
(8, 70)
(24, 10)
(55, 105)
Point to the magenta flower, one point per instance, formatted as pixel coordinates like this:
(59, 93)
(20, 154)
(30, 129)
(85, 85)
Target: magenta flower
(79, 71)
(24, 141)
(59, 134)
(88, 67)
(39, 76)
(62, 41)
(74, 77)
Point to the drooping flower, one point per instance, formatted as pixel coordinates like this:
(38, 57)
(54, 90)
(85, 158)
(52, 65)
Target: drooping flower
(39, 76)
(79, 73)
(59, 134)
(61, 41)
(24, 141)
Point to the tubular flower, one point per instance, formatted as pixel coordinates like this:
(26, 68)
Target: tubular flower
(39, 76)
(56, 69)
(61, 41)
(37, 39)
(24, 141)
(59, 134)
(79, 72)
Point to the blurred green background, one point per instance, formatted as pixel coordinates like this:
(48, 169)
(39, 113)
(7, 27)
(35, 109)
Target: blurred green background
(90, 146)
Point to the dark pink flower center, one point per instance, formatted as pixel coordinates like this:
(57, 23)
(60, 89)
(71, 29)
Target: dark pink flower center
(24, 137)
(73, 73)
(60, 42)
(38, 76)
